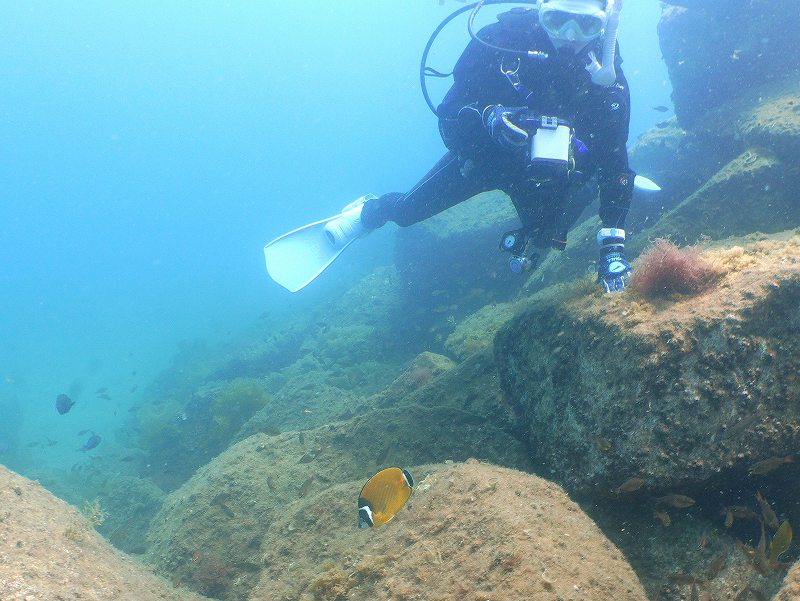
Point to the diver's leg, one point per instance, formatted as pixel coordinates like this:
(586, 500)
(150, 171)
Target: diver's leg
(442, 187)
(547, 211)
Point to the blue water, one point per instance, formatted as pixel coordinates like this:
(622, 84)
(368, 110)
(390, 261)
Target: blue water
(149, 149)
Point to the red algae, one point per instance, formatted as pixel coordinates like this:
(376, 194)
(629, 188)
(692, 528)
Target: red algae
(665, 269)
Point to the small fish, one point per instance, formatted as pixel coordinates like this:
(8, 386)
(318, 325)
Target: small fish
(702, 542)
(305, 488)
(663, 517)
(682, 579)
(661, 108)
(35, 443)
(662, 124)
(101, 390)
(307, 411)
(50, 443)
(767, 465)
(739, 512)
(91, 443)
(781, 541)
(728, 518)
(220, 501)
(604, 444)
(717, 563)
(82, 432)
(134, 389)
(301, 437)
(630, 485)
(270, 482)
(63, 404)
(104, 396)
(766, 510)
(742, 425)
(384, 494)
(760, 562)
(310, 456)
(678, 501)
(128, 458)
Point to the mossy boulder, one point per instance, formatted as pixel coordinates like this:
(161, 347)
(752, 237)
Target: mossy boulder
(130, 503)
(226, 508)
(470, 531)
(476, 331)
(421, 370)
(775, 124)
(717, 51)
(49, 550)
(179, 437)
(754, 192)
(686, 391)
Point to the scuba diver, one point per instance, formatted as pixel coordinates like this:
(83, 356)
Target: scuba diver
(532, 112)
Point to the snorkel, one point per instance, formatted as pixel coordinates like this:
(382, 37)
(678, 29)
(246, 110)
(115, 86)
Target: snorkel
(605, 74)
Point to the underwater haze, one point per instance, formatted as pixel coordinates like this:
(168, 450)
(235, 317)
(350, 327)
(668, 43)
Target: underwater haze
(149, 151)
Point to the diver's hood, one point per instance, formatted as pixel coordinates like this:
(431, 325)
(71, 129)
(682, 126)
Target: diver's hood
(573, 23)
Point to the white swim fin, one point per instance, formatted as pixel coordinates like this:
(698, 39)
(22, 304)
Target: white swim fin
(644, 184)
(295, 259)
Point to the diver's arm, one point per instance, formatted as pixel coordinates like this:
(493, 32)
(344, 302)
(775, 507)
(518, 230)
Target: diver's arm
(461, 112)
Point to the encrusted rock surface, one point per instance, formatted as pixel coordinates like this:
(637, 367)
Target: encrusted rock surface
(718, 50)
(754, 192)
(470, 532)
(790, 591)
(50, 552)
(684, 389)
(224, 513)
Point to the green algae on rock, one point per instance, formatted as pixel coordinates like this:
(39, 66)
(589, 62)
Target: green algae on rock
(476, 331)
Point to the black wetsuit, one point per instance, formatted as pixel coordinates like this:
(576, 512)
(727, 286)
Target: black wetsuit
(556, 86)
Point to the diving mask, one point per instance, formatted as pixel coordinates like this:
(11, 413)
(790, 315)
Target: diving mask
(572, 22)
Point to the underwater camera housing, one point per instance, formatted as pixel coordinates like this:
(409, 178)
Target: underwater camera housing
(550, 151)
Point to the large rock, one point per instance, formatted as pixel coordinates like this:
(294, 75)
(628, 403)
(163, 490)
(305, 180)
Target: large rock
(774, 123)
(720, 50)
(754, 192)
(676, 392)
(223, 515)
(49, 551)
(470, 532)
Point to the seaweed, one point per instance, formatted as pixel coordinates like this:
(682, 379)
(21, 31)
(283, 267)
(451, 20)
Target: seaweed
(664, 269)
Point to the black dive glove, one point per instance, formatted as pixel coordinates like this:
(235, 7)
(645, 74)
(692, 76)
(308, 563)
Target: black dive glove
(613, 269)
(498, 121)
